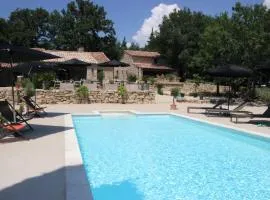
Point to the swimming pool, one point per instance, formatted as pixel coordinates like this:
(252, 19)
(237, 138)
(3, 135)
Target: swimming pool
(154, 157)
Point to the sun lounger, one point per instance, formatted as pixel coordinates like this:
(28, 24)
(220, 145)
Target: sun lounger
(34, 107)
(238, 109)
(240, 114)
(8, 128)
(7, 110)
(218, 104)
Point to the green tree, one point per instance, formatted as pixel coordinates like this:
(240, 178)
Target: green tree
(134, 46)
(28, 27)
(84, 24)
(179, 37)
(3, 31)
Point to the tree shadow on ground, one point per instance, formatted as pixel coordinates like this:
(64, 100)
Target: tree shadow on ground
(55, 114)
(120, 191)
(48, 186)
(38, 132)
(261, 123)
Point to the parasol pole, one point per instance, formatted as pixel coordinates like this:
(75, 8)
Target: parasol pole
(12, 87)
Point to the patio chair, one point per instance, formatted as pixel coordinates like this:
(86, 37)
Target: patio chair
(8, 128)
(34, 107)
(7, 110)
(218, 104)
(236, 110)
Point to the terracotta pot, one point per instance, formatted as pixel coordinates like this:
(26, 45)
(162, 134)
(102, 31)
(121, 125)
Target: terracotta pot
(173, 107)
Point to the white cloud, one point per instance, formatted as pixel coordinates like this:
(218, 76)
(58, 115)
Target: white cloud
(153, 22)
(267, 3)
(128, 44)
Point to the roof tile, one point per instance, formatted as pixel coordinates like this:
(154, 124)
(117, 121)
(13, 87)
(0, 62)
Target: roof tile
(142, 53)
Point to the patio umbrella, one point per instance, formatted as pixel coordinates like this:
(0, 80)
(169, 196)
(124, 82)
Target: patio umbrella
(6, 77)
(35, 67)
(230, 71)
(113, 63)
(15, 54)
(75, 61)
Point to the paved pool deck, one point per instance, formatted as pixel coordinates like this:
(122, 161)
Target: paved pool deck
(36, 169)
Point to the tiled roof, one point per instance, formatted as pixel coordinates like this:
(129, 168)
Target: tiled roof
(90, 57)
(152, 66)
(142, 53)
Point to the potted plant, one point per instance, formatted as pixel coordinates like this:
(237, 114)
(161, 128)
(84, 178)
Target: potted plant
(197, 82)
(100, 77)
(21, 109)
(264, 95)
(122, 92)
(29, 89)
(83, 94)
(131, 78)
(159, 89)
(175, 93)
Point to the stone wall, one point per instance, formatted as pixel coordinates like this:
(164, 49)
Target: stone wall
(69, 97)
(188, 88)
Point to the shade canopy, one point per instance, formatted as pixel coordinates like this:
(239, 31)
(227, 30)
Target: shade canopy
(16, 54)
(264, 67)
(114, 63)
(35, 67)
(230, 71)
(75, 61)
(6, 77)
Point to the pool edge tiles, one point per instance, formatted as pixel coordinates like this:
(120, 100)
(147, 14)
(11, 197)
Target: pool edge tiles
(254, 134)
(216, 124)
(77, 186)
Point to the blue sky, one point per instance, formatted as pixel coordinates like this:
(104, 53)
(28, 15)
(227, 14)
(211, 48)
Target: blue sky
(129, 16)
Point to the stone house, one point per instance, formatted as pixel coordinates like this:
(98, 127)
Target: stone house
(78, 71)
(145, 63)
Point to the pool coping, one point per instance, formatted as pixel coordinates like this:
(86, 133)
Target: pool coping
(73, 157)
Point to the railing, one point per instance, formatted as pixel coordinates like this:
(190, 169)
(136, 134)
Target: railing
(72, 85)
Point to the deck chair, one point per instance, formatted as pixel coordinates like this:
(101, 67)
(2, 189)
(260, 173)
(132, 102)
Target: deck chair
(6, 109)
(34, 107)
(218, 104)
(8, 128)
(238, 109)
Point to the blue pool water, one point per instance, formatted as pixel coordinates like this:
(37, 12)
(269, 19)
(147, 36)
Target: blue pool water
(167, 157)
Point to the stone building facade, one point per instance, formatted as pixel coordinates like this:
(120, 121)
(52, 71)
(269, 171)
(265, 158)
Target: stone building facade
(144, 63)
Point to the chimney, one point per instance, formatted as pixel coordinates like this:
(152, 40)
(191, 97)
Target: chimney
(81, 49)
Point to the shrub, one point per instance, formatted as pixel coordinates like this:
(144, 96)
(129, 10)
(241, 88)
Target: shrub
(132, 78)
(122, 91)
(29, 89)
(159, 89)
(43, 80)
(170, 77)
(83, 93)
(175, 93)
(197, 81)
(151, 80)
(100, 76)
(263, 94)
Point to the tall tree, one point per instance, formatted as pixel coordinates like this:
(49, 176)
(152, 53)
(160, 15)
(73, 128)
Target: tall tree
(28, 27)
(3, 31)
(84, 24)
(179, 37)
(134, 46)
